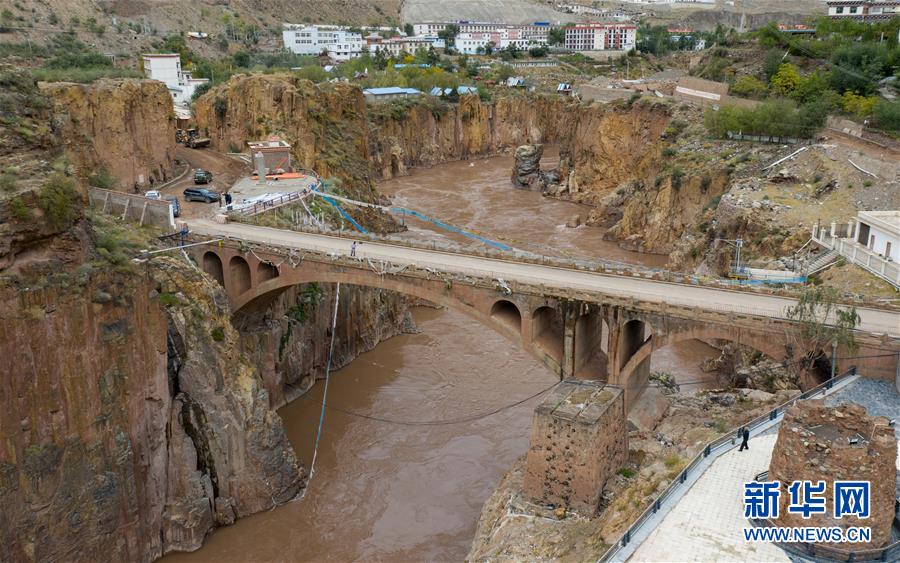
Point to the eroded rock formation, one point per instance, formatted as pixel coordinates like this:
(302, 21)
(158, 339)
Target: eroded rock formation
(123, 128)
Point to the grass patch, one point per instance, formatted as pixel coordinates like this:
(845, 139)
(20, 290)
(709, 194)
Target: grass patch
(58, 200)
(217, 334)
(626, 472)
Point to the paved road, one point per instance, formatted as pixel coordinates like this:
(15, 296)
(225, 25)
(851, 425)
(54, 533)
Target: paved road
(872, 320)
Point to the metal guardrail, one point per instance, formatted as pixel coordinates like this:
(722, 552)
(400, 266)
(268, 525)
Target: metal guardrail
(716, 446)
(823, 552)
(266, 205)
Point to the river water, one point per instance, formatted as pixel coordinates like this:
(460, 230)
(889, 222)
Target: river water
(404, 491)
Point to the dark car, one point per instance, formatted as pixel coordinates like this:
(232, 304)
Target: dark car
(176, 207)
(202, 176)
(201, 194)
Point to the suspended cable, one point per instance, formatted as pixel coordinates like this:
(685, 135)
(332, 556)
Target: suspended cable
(312, 466)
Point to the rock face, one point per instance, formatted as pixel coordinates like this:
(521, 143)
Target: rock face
(124, 127)
(527, 168)
(138, 429)
(289, 340)
(325, 124)
(813, 444)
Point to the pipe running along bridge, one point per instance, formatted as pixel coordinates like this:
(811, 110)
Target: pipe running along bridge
(580, 323)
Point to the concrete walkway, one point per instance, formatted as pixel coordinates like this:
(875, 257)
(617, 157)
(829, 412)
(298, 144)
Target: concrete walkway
(707, 298)
(706, 523)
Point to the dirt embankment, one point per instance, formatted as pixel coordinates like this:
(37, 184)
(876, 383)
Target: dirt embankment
(122, 128)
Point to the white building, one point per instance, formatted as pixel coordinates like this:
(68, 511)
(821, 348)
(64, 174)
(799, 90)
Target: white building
(601, 36)
(501, 38)
(536, 31)
(394, 46)
(872, 10)
(166, 67)
(338, 42)
(871, 241)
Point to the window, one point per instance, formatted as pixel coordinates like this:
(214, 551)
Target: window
(839, 10)
(853, 9)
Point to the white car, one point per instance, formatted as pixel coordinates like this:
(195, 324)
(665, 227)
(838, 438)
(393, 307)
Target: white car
(153, 194)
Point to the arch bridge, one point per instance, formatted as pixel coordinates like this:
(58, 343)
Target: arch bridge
(577, 331)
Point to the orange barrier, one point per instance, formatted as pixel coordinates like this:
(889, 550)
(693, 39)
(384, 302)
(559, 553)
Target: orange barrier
(285, 176)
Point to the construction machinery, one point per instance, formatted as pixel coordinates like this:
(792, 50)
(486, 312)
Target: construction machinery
(190, 138)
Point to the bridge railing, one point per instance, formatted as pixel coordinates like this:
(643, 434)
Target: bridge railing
(714, 448)
(602, 266)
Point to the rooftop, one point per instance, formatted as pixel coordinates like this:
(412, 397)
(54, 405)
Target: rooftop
(271, 144)
(887, 220)
(388, 90)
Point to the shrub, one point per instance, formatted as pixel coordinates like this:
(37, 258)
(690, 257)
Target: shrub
(58, 200)
(103, 179)
(7, 182)
(887, 115)
(860, 106)
(626, 472)
(778, 117)
(217, 334)
(18, 209)
(749, 87)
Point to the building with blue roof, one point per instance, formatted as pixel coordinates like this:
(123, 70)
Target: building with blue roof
(376, 95)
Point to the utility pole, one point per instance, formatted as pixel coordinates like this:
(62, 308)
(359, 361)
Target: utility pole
(833, 357)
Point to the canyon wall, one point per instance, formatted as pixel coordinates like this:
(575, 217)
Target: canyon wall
(130, 428)
(124, 127)
(288, 341)
(325, 124)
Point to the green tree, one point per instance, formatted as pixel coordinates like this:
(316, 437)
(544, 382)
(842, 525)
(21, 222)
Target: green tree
(772, 62)
(786, 80)
(749, 87)
(859, 67)
(822, 322)
(556, 36)
(448, 34)
(408, 29)
(887, 115)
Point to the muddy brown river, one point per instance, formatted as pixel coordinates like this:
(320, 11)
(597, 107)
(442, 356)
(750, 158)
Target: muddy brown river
(391, 492)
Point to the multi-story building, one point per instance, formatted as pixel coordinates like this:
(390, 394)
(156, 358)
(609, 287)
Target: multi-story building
(338, 42)
(396, 45)
(536, 31)
(871, 10)
(166, 67)
(601, 37)
(500, 38)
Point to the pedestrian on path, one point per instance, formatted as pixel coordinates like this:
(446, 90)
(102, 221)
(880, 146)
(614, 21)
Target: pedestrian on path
(745, 435)
(353, 250)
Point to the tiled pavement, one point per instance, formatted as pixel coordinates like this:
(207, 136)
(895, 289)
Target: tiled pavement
(706, 523)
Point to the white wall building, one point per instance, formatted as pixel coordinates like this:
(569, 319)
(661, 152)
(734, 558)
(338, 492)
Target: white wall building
(871, 241)
(340, 43)
(470, 42)
(536, 31)
(394, 46)
(601, 36)
(872, 10)
(166, 67)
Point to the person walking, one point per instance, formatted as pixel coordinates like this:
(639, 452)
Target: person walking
(353, 250)
(745, 435)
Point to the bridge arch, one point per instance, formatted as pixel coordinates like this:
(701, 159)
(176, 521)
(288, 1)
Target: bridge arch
(507, 313)
(761, 342)
(266, 271)
(212, 265)
(239, 272)
(547, 332)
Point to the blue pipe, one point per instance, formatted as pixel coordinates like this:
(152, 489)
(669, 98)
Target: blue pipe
(441, 224)
(340, 209)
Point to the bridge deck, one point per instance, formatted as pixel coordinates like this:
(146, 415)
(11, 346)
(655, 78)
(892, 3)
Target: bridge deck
(873, 321)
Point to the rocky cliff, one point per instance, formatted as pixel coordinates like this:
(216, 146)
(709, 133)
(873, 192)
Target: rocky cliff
(132, 424)
(325, 124)
(289, 340)
(123, 129)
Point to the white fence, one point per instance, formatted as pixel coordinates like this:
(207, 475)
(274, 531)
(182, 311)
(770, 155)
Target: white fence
(836, 237)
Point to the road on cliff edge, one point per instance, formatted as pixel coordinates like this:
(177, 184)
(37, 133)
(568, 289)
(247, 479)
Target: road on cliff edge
(873, 321)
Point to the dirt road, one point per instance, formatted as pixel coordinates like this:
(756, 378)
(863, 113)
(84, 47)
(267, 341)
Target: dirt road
(225, 170)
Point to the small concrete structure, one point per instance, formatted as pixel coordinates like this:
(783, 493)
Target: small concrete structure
(276, 154)
(578, 441)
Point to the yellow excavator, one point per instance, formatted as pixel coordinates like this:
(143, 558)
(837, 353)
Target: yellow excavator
(190, 138)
